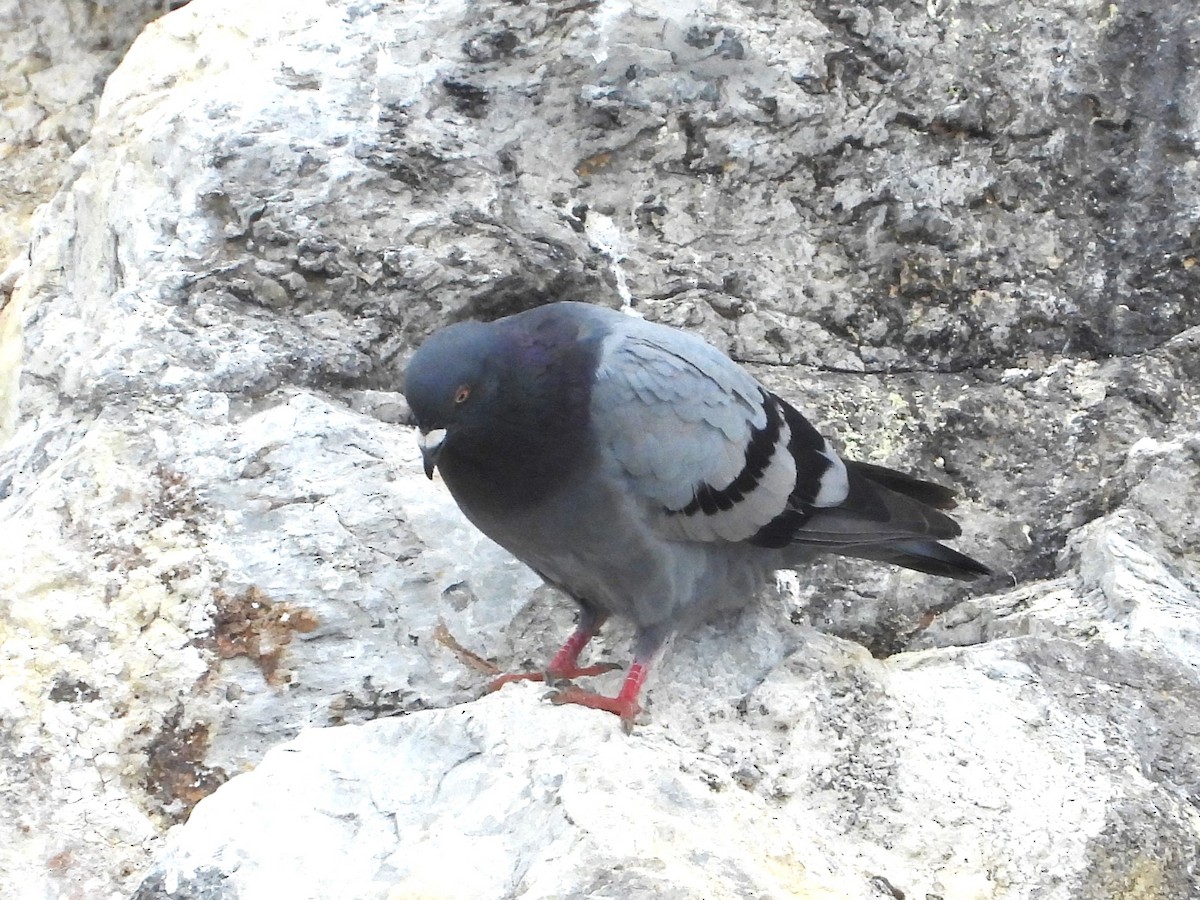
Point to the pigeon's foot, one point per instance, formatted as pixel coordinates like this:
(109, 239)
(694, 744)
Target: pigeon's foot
(510, 677)
(625, 704)
(552, 673)
(565, 664)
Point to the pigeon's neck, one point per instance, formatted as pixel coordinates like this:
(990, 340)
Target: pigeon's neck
(537, 439)
(513, 468)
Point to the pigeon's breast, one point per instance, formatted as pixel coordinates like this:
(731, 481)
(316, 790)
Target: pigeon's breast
(592, 541)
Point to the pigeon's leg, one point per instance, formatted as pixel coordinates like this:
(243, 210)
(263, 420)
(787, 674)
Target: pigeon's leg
(625, 704)
(565, 663)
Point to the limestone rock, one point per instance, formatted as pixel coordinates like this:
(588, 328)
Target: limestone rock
(54, 58)
(962, 235)
(1033, 765)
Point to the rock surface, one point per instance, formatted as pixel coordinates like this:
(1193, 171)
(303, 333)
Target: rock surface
(54, 57)
(964, 235)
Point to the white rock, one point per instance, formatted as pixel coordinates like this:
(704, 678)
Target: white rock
(926, 772)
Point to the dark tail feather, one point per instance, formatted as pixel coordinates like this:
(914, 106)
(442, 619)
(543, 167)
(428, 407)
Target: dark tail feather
(926, 492)
(929, 557)
(888, 517)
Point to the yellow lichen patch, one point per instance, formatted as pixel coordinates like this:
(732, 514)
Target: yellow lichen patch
(588, 167)
(801, 884)
(10, 358)
(1144, 880)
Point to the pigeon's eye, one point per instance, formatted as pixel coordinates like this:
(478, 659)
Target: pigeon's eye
(462, 394)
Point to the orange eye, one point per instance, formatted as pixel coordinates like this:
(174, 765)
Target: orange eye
(463, 392)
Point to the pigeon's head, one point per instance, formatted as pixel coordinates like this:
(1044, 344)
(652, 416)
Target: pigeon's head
(449, 382)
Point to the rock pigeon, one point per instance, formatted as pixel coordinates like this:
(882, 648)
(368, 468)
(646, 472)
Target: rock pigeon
(648, 476)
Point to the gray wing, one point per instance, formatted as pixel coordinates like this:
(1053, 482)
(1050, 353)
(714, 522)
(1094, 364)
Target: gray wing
(700, 443)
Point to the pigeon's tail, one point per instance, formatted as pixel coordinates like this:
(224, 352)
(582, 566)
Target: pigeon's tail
(894, 518)
(935, 495)
(929, 557)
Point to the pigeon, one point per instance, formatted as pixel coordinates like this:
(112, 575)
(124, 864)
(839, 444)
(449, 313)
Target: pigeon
(648, 476)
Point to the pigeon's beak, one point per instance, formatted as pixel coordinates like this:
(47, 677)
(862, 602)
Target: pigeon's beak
(431, 445)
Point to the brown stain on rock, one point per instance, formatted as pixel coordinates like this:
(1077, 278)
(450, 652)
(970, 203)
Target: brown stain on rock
(250, 624)
(176, 775)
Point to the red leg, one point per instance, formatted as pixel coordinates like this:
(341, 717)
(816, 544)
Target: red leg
(565, 663)
(625, 704)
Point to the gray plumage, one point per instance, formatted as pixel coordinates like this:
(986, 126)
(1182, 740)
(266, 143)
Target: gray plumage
(647, 475)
